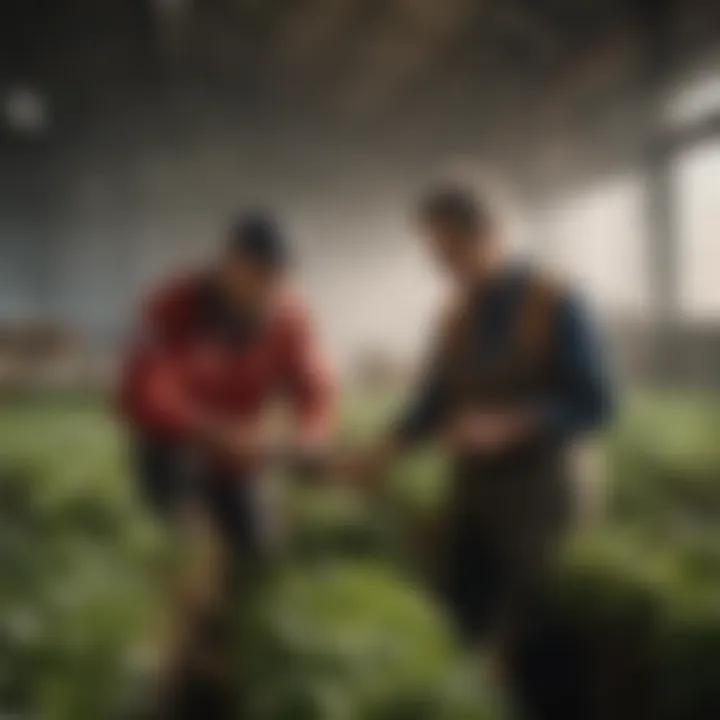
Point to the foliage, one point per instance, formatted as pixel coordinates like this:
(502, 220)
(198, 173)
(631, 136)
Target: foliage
(638, 618)
(351, 641)
(665, 462)
(339, 631)
(76, 562)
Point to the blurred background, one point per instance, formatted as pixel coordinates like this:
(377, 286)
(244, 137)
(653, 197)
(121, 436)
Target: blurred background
(132, 130)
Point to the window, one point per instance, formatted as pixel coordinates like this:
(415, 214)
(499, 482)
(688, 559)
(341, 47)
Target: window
(697, 182)
(598, 238)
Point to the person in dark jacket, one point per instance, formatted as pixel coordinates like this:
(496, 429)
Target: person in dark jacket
(516, 376)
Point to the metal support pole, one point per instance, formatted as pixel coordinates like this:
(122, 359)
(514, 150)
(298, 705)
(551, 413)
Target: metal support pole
(663, 259)
(655, 25)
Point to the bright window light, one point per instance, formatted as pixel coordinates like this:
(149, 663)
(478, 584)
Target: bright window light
(694, 101)
(598, 238)
(25, 110)
(697, 181)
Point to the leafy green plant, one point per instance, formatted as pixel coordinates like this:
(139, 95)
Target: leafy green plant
(351, 640)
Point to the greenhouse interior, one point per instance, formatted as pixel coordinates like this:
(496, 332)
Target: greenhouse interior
(133, 131)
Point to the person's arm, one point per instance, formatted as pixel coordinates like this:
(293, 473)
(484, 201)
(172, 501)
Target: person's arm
(152, 396)
(310, 384)
(583, 400)
(424, 414)
(422, 417)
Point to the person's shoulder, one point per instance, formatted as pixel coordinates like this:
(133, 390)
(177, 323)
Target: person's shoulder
(557, 298)
(545, 283)
(291, 312)
(451, 318)
(173, 297)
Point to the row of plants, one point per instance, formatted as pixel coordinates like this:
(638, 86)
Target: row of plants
(343, 628)
(79, 562)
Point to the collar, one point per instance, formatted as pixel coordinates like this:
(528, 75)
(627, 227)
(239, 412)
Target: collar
(217, 316)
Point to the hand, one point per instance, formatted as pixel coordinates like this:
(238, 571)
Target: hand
(487, 433)
(236, 442)
(363, 468)
(310, 461)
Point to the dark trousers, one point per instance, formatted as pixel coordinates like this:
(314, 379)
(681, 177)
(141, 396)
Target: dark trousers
(172, 480)
(503, 526)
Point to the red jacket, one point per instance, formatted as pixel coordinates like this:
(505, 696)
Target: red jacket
(180, 369)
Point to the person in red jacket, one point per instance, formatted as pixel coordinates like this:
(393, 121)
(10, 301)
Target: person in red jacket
(213, 350)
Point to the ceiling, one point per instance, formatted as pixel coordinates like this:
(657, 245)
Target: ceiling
(541, 88)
